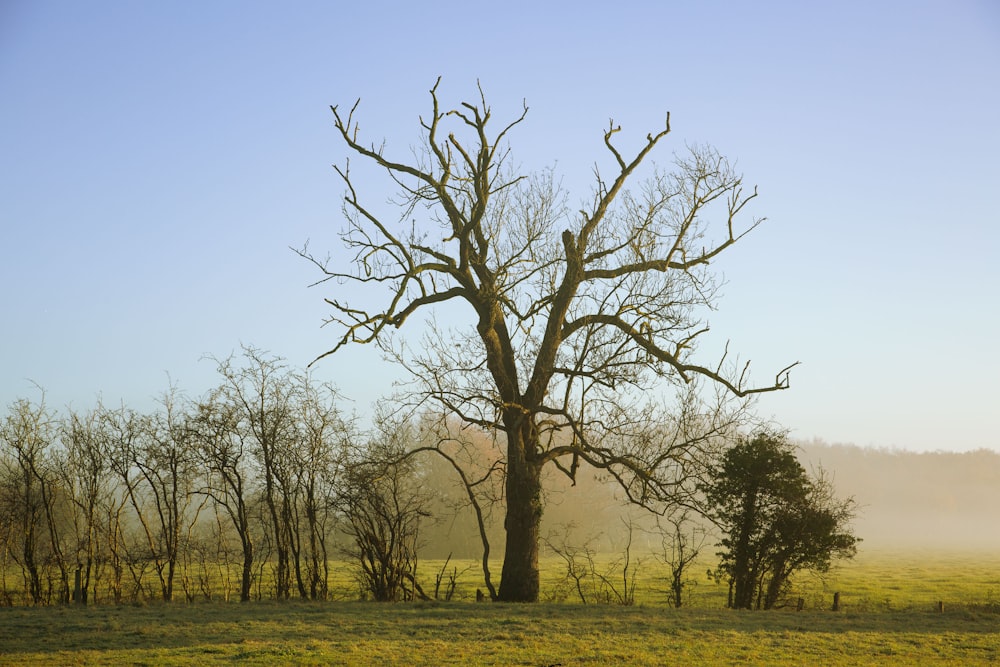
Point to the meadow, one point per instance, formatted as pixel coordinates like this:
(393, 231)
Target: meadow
(889, 615)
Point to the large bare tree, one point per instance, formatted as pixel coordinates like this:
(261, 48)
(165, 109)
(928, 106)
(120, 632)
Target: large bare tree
(578, 322)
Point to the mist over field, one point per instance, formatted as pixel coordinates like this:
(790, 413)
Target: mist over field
(934, 500)
(906, 500)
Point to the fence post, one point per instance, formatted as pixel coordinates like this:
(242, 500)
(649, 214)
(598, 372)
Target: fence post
(836, 601)
(77, 588)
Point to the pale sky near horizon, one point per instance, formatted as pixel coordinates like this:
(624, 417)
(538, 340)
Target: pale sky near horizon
(157, 160)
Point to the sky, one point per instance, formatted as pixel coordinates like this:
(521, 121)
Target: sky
(158, 161)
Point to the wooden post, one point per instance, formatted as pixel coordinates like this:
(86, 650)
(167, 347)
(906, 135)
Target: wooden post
(836, 601)
(801, 604)
(940, 606)
(77, 588)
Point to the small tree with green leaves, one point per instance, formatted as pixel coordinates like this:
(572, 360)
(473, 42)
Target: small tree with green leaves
(777, 520)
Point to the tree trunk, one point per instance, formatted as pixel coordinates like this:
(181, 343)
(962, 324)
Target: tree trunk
(775, 586)
(519, 579)
(246, 576)
(282, 578)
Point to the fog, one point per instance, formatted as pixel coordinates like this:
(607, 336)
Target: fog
(906, 500)
(937, 500)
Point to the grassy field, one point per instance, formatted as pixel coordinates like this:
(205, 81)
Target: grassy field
(889, 617)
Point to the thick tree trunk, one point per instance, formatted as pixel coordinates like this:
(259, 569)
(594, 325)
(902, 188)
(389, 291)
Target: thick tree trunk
(246, 577)
(519, 579)
(744, 590)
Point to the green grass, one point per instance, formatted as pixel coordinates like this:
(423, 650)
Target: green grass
(362, 633)
(876, 580)
(888, 617)
(914, 580)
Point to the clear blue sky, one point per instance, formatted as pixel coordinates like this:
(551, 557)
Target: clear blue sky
(158, 158)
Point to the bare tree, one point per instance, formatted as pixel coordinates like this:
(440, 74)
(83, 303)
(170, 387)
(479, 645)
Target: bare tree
(259, 392)
(121, 431)
(228, 481)
(26, 434)
(156, 464)
(382, 509)
(575, 317)
(86, 476)
(594, 582)
(324, 436)
(682, 541)
(466, 458)
(276, 433)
